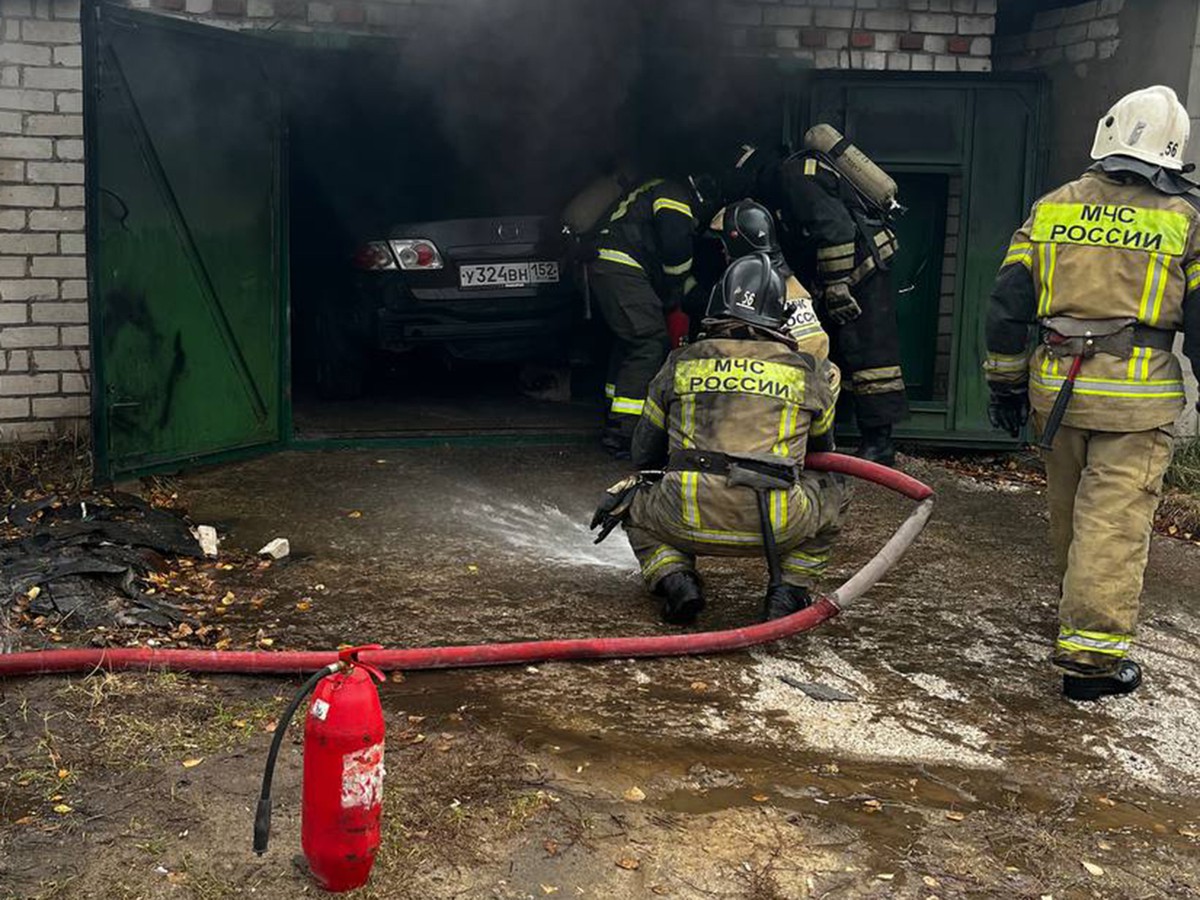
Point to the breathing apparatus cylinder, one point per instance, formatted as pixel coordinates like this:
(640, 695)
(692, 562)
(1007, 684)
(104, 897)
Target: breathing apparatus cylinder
(858, 168)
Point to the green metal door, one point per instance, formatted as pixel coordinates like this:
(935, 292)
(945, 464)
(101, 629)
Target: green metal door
(185, 227)
(964, 151)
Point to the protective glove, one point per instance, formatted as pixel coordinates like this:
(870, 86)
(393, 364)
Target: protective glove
(822, 443)
(1008, 408)
(840, 303)
(615, 505)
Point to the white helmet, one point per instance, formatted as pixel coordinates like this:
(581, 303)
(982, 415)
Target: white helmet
(1150, 125)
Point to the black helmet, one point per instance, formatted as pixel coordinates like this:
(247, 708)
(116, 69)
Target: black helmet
(751, 291)
(747, 227)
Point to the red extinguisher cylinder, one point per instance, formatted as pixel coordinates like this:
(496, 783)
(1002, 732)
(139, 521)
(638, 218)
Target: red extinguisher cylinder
(343, 779)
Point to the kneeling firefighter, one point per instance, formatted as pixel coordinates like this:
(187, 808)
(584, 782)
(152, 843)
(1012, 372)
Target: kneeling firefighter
(726, 425)
(834, 206)
(1108, 266)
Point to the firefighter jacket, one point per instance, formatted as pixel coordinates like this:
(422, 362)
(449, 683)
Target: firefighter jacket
(828, 234)
(1106, 246)
(651, 231)
(802, 323)
(740, 396)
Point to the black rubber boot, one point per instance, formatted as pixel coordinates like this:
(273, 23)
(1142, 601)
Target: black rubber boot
(683, 597)
(1125, 681)
(785, 599)
(877, 445)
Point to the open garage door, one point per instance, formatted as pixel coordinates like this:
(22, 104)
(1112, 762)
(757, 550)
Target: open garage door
(186, 241)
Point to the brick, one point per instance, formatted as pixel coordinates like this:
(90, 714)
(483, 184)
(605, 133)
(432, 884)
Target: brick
(28, 289)
(320, 13)
(14, 360)
(260, 9)
(945, 64)
(60, 407)
(899, 62)
(28, 244)
(1103, 28)
(976, 24)
(886, 41)
(795, 16)
(25, 54)
(349, 13)
(1050, 18)
(918, 5)
(54, 126)
(74, 289)
(31, 101)
(54, 173)
(25, 195)
(37, 32)
(1110, 7)
(930, 23)
(1108, 49)
(199, 7)
(959, 45)
(974, 64)
(13, 266)
(11, 123)
(229, 7)
(69, 102)
(1080, 12)
(963, 6)
(72, 244)
(14, 408)
(812, 37)
(18, 8)
(67, 9)
(912, 41)
(787, 38)
(291, 9)
(10, 76)
(935, 43)
(874, 61)
(69, 149)
(60, 360)
(168, 5)
(24, 385)
(981, 46)
(985, 7)
(836, 40)
(13, 220)
(740, 14)
(27, 431)
(59, 267)
(12, 170)
(13, 313)
(1080, 52)
(59, 313)
(54, 78)
(26, 148)
(70, 197)
(861, 40)
(833, 18)
(76, 383)
(827, 59)
(27, 336)
(74, 336)
(1070, 34)
(886, 20)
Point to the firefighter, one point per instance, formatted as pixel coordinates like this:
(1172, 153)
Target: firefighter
(642, 262)
(728, 419)
(1108, 267)
(839, 245)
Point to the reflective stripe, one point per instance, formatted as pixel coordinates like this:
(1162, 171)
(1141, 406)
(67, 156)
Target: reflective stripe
(654, 413)
(1139, 364)
(1158, 389)
(687, 421)
(1049, 258)
(1154, 288)
(610, 390)
(882, 380)
(663, 556)
(673, 205)
(1094, 641)
(682, 269)
(619, 257)
(627, 406)
(997, 363)
(806, 563)
(810, 167)
(631, 197)
(779, 510)
(1193, 275)
(1116, 227)
(689, 484)
(1021, 253)
(836, 251)
(879, 373)
(825, 422)
(710, 536)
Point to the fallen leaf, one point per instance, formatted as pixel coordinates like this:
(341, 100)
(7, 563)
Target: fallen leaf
(63, 809)
(419, 739)
(472, 569)
(955, 816)
(873, 805)
(56, 798)
(1104, 845)
(222, 644)
(303, 606)
(549, 889)
(659, 889)
(1188, 833)
(885, 876)
(415, 720)
(629, 863)
(192, 763)
(354, 515)
(227, 599)
(226, 567)
(266, 642)
(33, 592)
(1092, 868)
(635, 794)
(398, 677)
(1105, 801)
(551, 847)
(64, 773)
(25, 820)
(1159, 828)
(760, 798)
(177, 877)
(930, 881)
(699, 687)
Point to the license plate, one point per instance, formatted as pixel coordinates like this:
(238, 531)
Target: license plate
(508, 275)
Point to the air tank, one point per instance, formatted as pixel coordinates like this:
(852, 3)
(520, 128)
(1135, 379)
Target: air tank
(874, 183)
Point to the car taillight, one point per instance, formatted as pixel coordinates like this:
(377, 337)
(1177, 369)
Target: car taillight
(374, 257)
(417, 254)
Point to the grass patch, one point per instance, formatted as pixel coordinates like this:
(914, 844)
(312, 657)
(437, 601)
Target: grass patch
(1184, 472)
(62, 465)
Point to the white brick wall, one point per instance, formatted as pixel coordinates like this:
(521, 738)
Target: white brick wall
(1073, 34)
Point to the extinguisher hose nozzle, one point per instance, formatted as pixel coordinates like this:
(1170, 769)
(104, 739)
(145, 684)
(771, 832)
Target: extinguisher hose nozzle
(262, 817)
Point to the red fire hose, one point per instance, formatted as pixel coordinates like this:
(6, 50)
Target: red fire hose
(42, 662)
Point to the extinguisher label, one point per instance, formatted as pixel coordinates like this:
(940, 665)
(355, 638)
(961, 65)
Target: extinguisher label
(362, 777)
(320, 709)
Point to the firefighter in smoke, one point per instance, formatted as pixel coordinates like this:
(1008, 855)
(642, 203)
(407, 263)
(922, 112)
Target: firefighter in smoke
(639, 272)
(1108, 266)
(837, 239)
(727, 420)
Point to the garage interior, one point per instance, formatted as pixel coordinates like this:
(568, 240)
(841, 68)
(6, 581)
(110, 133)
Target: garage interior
(244, 183)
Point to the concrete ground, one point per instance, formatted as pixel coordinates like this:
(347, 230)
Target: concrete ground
(956, 769)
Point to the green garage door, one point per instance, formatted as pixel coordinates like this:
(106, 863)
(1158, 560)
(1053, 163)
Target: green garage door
(185, 222)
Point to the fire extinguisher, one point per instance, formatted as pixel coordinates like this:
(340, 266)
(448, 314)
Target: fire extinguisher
(679, 324)
(343, 773)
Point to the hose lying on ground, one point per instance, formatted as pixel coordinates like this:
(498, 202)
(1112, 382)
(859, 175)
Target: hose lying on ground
(42, 662)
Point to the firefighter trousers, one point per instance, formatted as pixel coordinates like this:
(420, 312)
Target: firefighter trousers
(1103, 488)
(869, 349)
(634, 314)
(667, 533)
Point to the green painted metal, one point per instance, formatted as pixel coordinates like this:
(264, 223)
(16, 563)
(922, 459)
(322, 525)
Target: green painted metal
(938, 135)
(186, 224)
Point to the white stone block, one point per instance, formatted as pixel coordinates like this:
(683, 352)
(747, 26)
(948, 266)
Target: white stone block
(30, 101)
(26, 336)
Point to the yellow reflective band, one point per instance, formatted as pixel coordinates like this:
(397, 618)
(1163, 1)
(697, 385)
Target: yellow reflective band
(654, 413)
(1139, 364)
(1094, 641)
(1049, 259)
(1102, 225)
(1193, 276)
(632, 196)
(689, 284)
(687, 421)
(610, 391)
(1019, 254)
(825, 422)
(838, 250)
(682, 269)
(879, 374)
(779, 510)
(627, 406)
(1003, 362)
(619, 257)
(810, 167)
(689, 483)
(836, 265)
(739, 376)
(663, 556)
(1156, 389)
(666, 203)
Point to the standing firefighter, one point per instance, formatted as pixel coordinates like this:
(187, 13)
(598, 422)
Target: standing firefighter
(642, 261)
(728, 419)
(836, 238)
(1109, 267)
